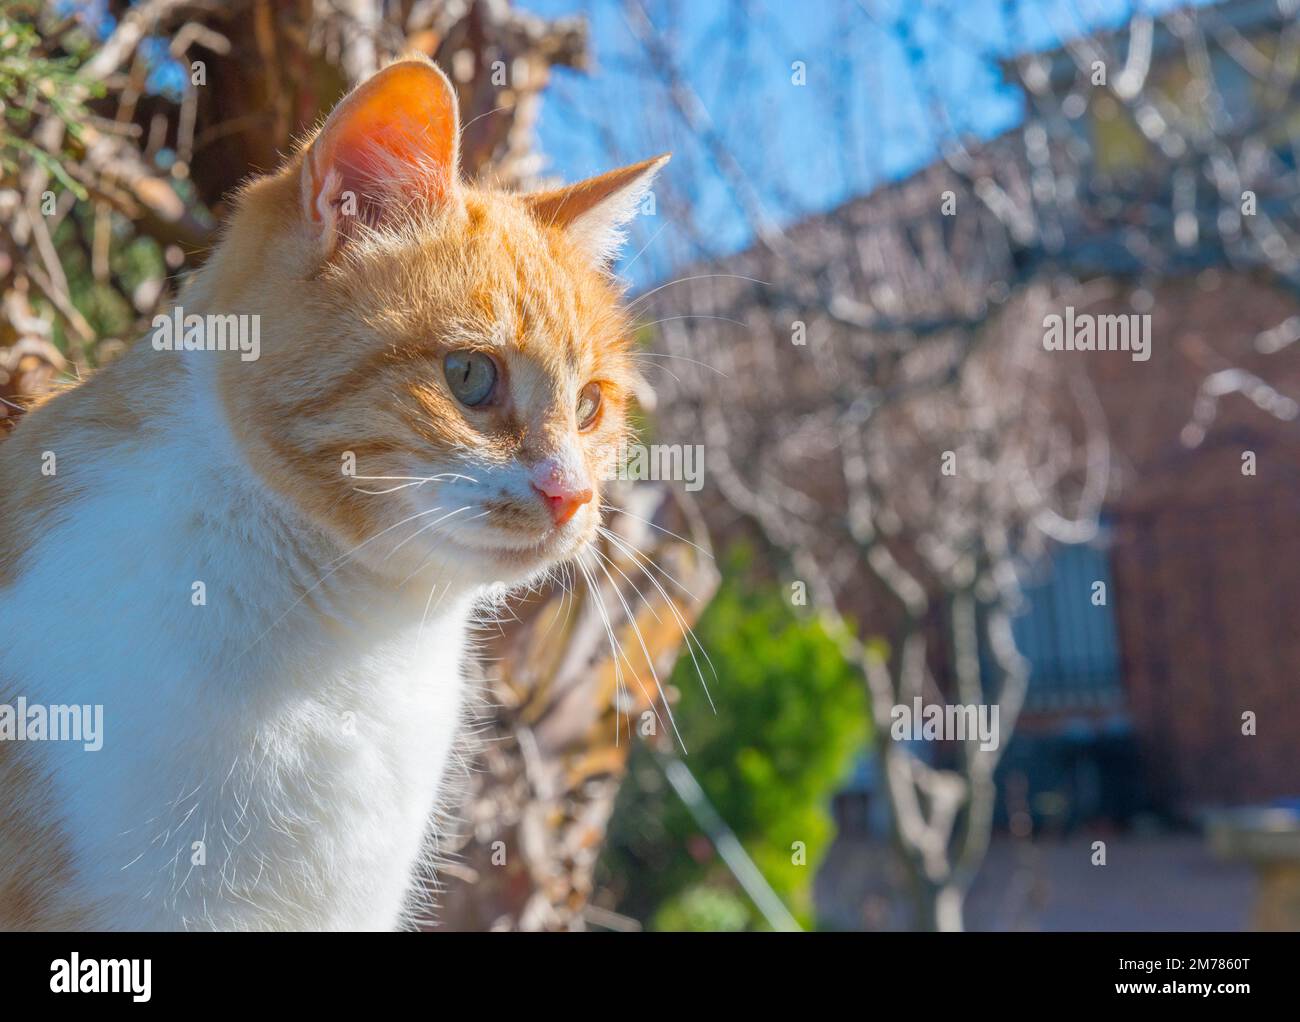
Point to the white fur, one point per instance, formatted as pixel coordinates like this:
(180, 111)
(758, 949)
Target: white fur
(601, 230)
(304, 742)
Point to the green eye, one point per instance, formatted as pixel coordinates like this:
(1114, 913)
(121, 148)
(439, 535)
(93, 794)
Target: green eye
(471, 375)
(588, 406)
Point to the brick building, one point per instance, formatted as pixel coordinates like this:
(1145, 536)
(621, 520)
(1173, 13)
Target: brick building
(1201, 551)
(1197, 548)
(1200, 622)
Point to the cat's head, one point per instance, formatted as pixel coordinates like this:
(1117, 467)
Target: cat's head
(445, 370)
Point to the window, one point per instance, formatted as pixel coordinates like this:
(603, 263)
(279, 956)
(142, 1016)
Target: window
(1070, 642)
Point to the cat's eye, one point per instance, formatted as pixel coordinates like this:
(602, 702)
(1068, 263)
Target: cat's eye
(471, 375)
(588, 406)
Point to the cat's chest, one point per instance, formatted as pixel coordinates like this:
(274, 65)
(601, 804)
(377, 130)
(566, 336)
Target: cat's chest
(338, 791)
(272, 748)
(307, 811)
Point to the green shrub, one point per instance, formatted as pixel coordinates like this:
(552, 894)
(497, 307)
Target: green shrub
(790, 717)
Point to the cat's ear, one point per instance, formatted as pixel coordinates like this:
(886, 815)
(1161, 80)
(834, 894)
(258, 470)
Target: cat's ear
(595, 212)
(389, 143)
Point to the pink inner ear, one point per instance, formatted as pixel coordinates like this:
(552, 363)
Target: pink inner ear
(391, 141)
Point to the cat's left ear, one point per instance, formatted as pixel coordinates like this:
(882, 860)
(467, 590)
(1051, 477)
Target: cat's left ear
(390, 142)
(595, 212)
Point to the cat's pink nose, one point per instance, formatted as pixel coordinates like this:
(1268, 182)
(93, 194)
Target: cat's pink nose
(561, 493)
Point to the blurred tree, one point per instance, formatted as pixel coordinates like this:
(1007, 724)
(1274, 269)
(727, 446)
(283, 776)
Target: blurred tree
(875, 400)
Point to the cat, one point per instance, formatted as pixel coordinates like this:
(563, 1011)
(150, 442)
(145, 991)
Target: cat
(262, 563)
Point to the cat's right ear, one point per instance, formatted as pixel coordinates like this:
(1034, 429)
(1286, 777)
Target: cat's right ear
(390, 143)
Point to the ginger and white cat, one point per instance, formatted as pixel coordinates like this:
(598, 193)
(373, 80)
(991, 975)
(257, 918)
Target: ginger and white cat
(264, 570)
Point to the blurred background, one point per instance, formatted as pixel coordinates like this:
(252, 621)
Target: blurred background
(842, 285)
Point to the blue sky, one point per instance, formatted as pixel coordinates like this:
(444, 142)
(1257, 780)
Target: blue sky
(859, 121)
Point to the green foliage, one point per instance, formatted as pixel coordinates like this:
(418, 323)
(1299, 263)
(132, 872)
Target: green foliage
(30, 83)
(133, 259)
(791, 716)
(41, 81)
(705, 908)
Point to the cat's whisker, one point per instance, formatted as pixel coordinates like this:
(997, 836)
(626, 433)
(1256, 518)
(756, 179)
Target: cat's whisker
(644, 561)
(429, 603)
(335, 565)
(383, 532)
(641, 251)
(631, 618)
(570, 581)
(628, 545)
(426, 528)
(636, 629)
(620, 685)
(410, 481)
(683, 358)
(645, 521)
(391, 489)
(485, 113)
(564, 578)
(606, 558)
(663, 369)
(428, 558)
(684, 280)
(420, 479)
(555, 574)
(639, 325)
(572, 578)
(424, 563)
